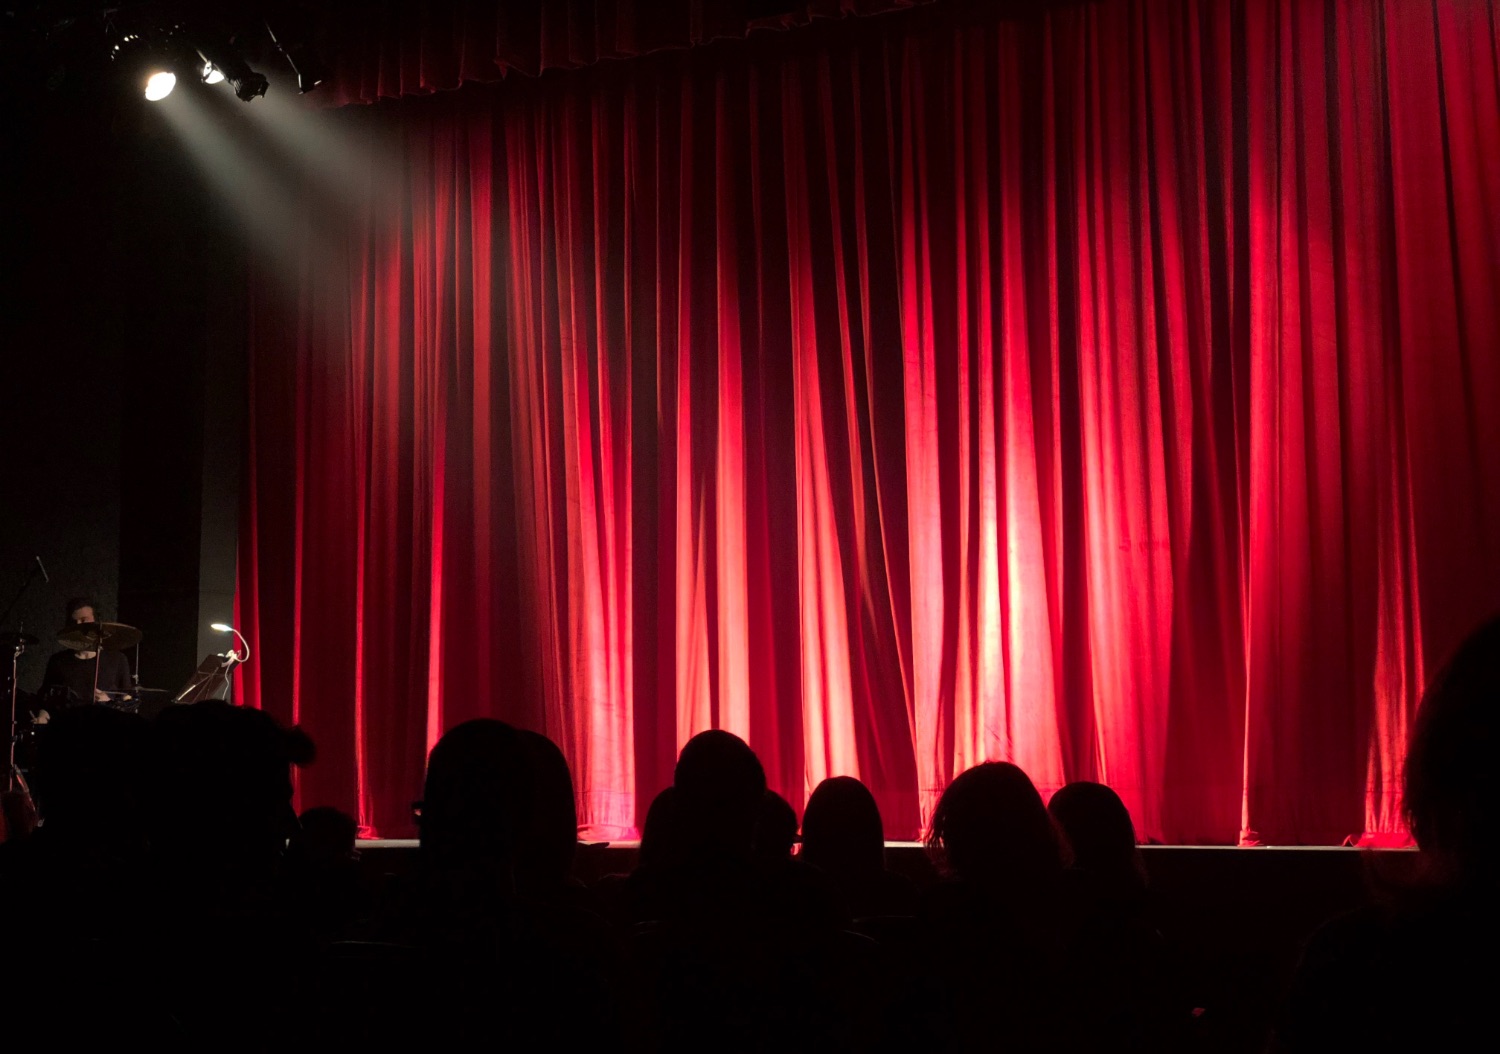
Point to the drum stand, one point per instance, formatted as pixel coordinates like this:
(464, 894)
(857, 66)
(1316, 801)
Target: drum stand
(13, 778)
(18, 642)
(98, 657)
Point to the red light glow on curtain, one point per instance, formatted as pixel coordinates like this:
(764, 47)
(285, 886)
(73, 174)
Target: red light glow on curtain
(1113, 392)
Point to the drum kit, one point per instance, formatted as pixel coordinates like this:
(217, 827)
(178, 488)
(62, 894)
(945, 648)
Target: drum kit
(85, 637)
(99, 637)
(210, 681)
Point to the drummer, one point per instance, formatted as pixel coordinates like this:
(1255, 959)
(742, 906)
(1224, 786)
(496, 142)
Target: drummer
(70, 673)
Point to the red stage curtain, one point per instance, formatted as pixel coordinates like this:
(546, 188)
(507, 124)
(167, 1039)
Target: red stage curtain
(1114, 392)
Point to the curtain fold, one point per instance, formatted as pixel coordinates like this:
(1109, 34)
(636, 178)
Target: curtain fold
(1110, 391)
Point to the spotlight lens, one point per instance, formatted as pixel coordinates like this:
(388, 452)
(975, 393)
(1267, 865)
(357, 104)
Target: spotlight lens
(160, 85)
(212, 74)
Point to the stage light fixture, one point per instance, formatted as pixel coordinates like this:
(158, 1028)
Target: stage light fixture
(145, 64)
(160, 84)
(310, 72)
(247, 84)
(250, 86)
(129, 47)
(307, 81)
(156, 51)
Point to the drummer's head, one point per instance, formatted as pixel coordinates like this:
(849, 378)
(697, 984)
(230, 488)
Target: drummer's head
(79, 610)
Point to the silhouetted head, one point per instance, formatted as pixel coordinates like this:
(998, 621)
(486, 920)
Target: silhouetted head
(841, 828)
(477, 797)
(990, 826)
(325, 837)
(88, 776)
(1100, 833)
(720, 785)
(775, 829)
(661, 836)
(550, 835)
(1452, 796)
(223, 784)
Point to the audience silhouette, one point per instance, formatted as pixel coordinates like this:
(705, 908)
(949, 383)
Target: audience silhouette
(218, 816)
(1118, 977)
(493, 940)
(1100, 834)
(1417, 971)
(775, 830)
(250, 928)
(842, 835)
(661, 836)
(999, 920)
(321, 873)
(547, 838)
(61, 885)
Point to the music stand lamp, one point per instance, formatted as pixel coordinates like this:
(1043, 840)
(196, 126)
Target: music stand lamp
(216, 672)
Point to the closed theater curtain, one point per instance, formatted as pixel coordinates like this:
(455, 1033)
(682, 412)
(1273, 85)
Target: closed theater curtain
(1112, 391)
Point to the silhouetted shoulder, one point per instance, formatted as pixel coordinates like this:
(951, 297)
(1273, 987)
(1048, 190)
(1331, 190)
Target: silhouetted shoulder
(1419, 976)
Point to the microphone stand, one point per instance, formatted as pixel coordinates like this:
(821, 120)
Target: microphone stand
(30, 578)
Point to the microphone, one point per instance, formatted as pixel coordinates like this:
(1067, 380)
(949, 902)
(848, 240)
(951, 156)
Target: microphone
(43, 569)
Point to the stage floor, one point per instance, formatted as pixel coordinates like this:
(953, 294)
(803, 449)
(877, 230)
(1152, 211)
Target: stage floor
(1307, 879)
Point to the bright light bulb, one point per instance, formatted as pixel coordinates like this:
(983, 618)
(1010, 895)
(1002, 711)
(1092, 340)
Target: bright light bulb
(212, 74)
(160, 85)
(219, 627)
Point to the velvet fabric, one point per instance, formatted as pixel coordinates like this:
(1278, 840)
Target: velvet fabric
(1112, 391)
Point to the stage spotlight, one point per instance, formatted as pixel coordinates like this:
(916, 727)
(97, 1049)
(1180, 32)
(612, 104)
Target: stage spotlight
(164, 50)
(249, 86)
(220, 55)
(144, 64)
(160, 84)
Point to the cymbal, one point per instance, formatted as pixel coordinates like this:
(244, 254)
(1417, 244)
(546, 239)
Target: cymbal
(8, 641)
(88, 636)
